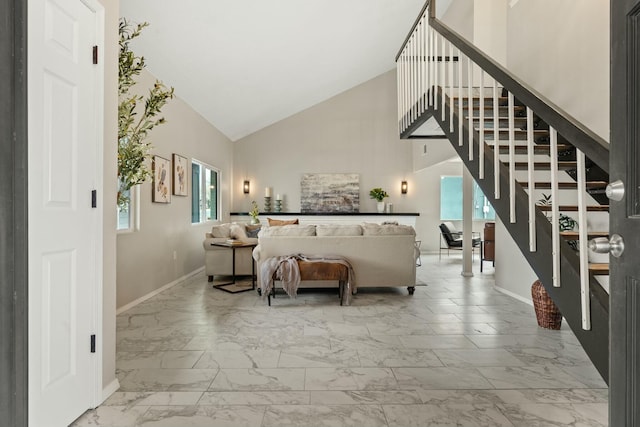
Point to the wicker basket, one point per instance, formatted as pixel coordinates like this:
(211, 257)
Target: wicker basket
(547, 313)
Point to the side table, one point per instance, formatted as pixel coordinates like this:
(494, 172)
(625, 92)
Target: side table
(233, 246)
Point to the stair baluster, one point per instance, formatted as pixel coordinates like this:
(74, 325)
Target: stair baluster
(481, 124)
(443, 75)
(583, 242)
(496, 142)
(532, 182)
(470, 105)
(555, 213)
(460, 107)
(512, 160)
(451, 87)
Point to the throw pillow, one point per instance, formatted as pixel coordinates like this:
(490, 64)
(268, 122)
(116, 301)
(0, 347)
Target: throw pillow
(253, 230)
(276, 222)
(238, 232)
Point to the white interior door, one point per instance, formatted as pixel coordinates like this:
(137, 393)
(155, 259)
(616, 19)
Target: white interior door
(64, 272)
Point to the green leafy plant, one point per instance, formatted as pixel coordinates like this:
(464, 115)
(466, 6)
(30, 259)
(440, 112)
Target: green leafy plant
(133, 129)
(254, 212)
(378, 194)
(565, 222)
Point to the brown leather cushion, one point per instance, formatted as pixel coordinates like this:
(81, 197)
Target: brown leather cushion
(276, 222)
(322, 271)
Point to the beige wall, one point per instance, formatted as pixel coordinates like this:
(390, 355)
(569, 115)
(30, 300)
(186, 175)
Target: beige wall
(513, 274)
(146, 257)
(353, 132)
(109, 194)
(490, 29)
(459, 17)
(561, 49)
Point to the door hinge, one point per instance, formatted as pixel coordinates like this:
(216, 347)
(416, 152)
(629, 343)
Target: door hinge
(94, 198)
(95, 55)
(93, 343)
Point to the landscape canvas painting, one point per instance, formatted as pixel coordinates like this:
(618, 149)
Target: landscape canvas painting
(330, 192)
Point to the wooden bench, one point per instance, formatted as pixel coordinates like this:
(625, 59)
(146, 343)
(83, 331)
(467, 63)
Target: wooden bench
(319, 270)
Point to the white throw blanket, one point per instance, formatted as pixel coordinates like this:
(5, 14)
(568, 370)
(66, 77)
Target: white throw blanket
(288, 272)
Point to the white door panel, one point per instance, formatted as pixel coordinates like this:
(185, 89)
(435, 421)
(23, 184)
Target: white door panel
(63, 227)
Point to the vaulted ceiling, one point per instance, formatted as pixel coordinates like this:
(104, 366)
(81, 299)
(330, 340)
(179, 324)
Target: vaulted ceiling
(245, 64)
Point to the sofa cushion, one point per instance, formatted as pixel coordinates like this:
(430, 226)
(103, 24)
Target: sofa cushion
(277, 222)
(338, 230)
(369, 229)
(289, 230)
(222, 230)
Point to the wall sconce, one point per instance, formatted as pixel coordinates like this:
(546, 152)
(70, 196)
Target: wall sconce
(245, 187)
(404, 187)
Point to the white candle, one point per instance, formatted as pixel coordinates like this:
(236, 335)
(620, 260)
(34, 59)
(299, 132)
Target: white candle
(278, 197)
(267, 192)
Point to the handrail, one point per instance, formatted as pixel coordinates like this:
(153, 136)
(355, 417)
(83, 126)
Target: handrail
(594, 147)
(413, 27)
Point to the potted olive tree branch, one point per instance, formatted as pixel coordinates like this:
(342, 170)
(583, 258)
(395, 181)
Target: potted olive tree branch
(133, 128)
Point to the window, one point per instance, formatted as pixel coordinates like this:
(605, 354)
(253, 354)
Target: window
(128, 215)
(451, 200)
(205, 198)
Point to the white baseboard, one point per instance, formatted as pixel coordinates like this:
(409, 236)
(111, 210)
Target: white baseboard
(110, 389)
(157, 291)
(514, 295)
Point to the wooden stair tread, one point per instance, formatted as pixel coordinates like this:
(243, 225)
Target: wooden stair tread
(575, 235)
(537, 149)
(565, 185)
(477, 98)
(500, 107)
(544, 165)
(506, 130)
(501, 118)
(574, 208)
(599, 269)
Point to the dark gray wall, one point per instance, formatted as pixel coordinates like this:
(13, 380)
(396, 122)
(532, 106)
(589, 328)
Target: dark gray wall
(13, 213)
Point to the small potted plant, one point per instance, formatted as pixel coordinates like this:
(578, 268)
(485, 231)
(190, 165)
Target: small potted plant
(253, 213)
(379, 194)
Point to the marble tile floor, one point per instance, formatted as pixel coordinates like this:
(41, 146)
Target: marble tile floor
(456, 353)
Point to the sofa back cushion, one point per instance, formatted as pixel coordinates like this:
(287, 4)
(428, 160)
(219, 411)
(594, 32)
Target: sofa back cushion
(288, 230)
(338, 230)
(222, 230)
(369, 229)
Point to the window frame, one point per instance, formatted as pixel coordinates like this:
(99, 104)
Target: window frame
(134, 212)
(476, 189)
(202, 189)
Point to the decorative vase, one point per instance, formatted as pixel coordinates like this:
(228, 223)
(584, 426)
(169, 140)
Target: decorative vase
(380, 207)
(547, 313)
(254, 220)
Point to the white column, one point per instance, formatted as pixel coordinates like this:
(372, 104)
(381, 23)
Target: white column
(467, 223)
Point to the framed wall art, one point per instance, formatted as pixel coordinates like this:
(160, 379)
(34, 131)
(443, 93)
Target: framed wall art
(179, 175)
(330, 192)
(161, 169)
